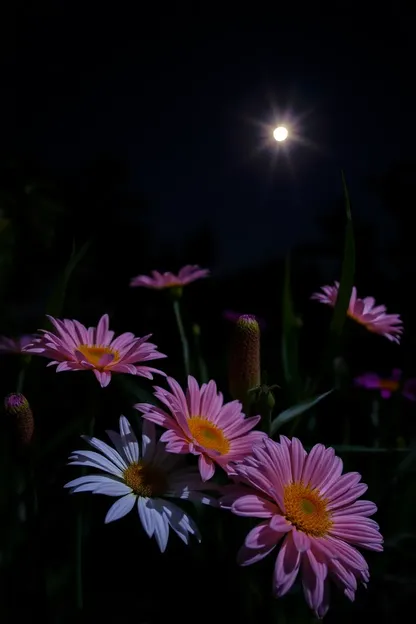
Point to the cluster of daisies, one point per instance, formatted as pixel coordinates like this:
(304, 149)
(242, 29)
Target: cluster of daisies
(302, 500)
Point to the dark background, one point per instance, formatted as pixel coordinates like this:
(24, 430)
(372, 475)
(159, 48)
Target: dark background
(146, 131)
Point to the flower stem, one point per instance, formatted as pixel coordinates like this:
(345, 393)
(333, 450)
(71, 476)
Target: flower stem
(184, 341)
(79, 536)
(21, 379)
(202, 367)
(37, 536)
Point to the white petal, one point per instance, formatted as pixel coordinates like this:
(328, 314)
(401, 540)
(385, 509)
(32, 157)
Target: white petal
(180, 522)
(129, 440)
(99, 484)
(161, 525)
(148, 439)
(87, 479)
(107, 451)
(113, 488)
(95, 460)
(146, 515)
(195, 497)
(120, 508)
(118, 443)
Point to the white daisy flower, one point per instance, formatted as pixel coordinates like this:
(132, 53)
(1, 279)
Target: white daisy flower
(147, 476)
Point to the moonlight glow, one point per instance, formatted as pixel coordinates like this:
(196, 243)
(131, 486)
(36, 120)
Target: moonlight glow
(280, 133)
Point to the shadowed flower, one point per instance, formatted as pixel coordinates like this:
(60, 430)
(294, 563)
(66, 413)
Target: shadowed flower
(74, 347)
(200, 423)
(159, 281)
(388, 385)
(304, 500)
(365, 311)
(146, 476)
(15, 345)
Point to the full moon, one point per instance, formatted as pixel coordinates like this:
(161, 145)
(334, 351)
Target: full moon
(280, 133)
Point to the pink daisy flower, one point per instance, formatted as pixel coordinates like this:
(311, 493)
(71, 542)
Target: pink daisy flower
(366, 312)
(15, 345)
(388, 385)
(74, 347)
(199, 422)
(159, 281)
(304, 500)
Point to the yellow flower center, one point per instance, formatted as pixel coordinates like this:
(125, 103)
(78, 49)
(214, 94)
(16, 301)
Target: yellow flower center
(206, 434)
(145, 479)
(306, 509)
(93, 354)
(389, 384)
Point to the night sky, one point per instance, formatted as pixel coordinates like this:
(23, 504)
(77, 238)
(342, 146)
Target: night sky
(190, 100)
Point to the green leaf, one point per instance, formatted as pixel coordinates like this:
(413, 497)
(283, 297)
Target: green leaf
(4, 223)
(56, 302)
(296, 410)
(134, 390)
(350, 448)
(347, 273)
(344, 294)
(74, 427)
(290, 337)
(408, 464)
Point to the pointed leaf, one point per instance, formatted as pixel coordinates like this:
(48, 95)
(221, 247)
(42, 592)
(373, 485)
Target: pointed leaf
(296, 410)
(130, 386)
(347, 273)
(351, 448)
(290, 335)
(57, 299)
(344, 295)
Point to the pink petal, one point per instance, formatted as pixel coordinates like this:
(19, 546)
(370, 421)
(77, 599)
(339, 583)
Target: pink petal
(206, 467)
(254, 506)
(287, 566)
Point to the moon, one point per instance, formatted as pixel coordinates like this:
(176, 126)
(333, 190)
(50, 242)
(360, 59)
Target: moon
(280, 133)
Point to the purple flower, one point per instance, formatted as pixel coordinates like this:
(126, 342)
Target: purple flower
(388, 385)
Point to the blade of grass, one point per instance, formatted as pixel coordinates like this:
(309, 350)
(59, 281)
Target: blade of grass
(344, 293)
(57, 299)
(290, 338)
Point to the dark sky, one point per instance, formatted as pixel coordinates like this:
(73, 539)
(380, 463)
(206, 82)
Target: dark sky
(190, 98)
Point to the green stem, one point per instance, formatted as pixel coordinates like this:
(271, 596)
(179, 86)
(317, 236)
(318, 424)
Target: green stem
(21, 379)
(184, 341)
(202, 367)
(38, 536)
(347, 431)
(79, 535)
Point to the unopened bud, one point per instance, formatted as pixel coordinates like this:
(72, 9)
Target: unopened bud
(244, 359)
(18, 407)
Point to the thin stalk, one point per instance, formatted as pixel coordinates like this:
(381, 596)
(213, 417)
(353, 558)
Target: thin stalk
(79, 538)
(184, 340)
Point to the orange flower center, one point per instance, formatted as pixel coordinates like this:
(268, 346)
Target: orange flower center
(93, 354)
(145, 479)
(369, 326)
(389, 384)
(306, 509)
(206, 434)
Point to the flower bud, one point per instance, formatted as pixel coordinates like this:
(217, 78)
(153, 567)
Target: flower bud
(18, 407)
(244, 359)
